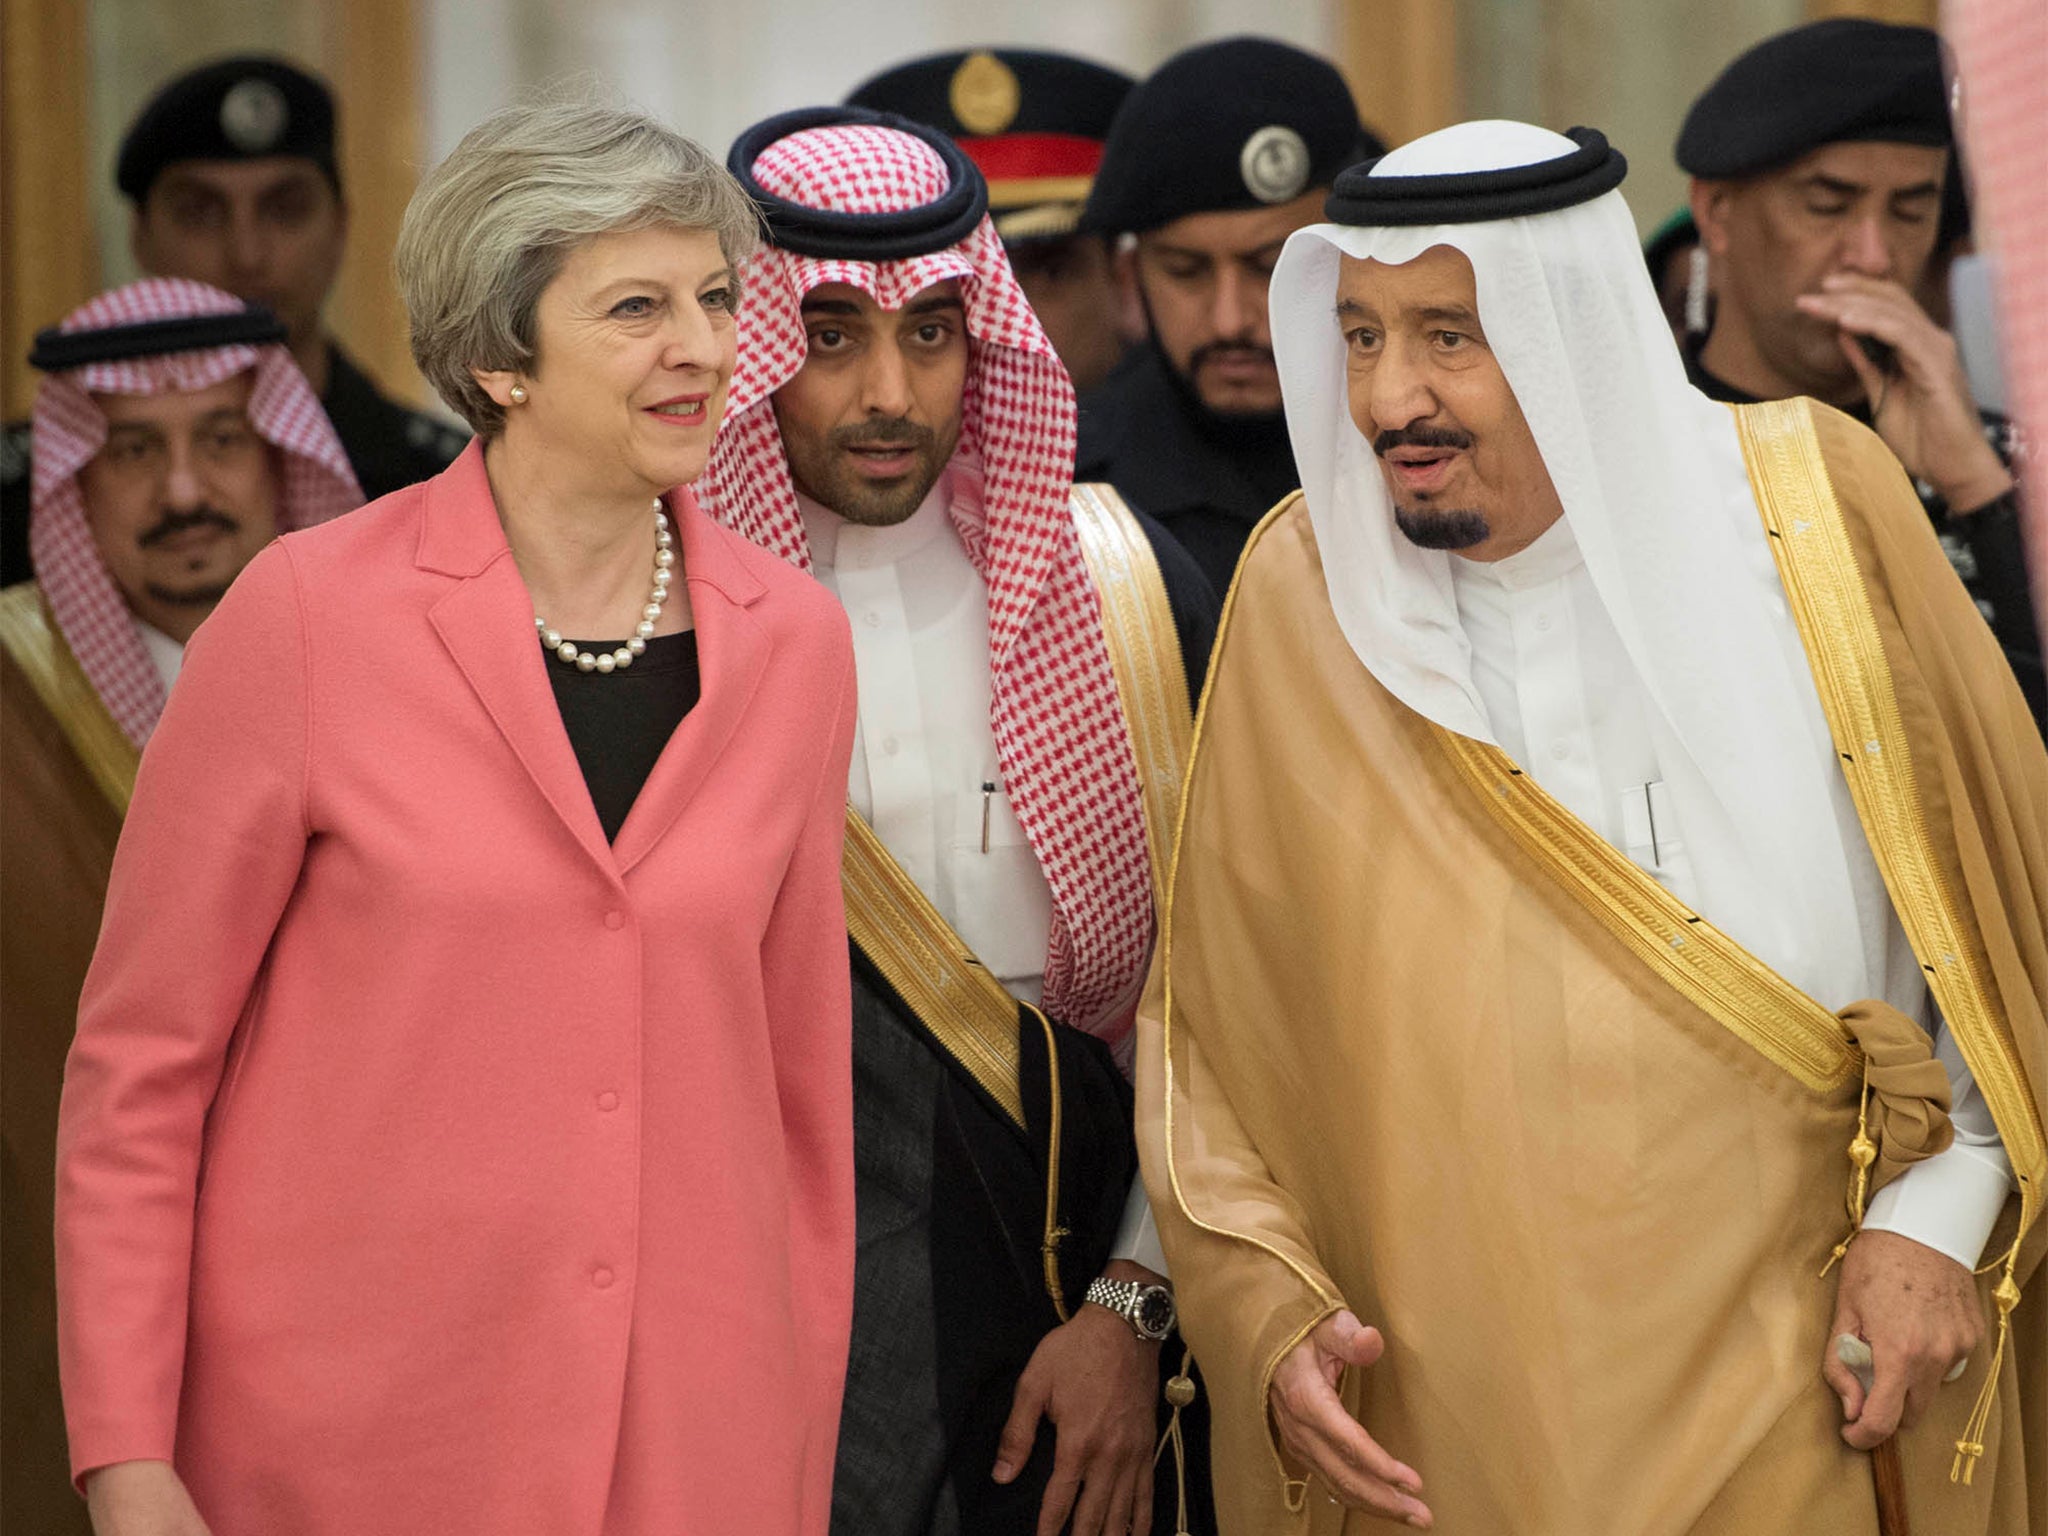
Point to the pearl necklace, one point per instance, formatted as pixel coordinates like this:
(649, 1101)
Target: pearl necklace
(650, 616)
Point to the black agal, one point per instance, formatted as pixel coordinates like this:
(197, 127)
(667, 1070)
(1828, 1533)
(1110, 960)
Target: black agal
(1476, 197)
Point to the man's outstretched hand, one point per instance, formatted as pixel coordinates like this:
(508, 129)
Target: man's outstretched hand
(1313, 1424)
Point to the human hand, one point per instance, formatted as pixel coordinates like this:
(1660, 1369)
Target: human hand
(1918, 1310)
(140, 1498)
(1922, 408)
(1314, 1425)
(1098, 1383)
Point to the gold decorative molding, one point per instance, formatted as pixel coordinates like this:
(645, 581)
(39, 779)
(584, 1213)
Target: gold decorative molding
(373, 63)
(1401, 57)
(48, 263)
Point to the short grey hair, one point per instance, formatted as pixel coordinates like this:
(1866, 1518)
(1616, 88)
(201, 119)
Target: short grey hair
(491, 225)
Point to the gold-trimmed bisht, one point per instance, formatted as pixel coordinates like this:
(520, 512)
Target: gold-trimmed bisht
(1830, 603)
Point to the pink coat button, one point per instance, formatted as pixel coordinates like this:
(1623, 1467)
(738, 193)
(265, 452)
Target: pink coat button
(615, 920)
(607, 1101)
(601, 1278)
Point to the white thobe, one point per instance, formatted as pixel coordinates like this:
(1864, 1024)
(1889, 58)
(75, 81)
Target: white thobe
(924, 769)
(1566, 704)
(165, 654)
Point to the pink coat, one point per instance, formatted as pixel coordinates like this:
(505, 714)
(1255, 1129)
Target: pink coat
(427, 1164)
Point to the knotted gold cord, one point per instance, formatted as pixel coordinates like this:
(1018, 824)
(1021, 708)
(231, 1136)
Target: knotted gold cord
(1862, 1153)
(1971, 1446)
(1180, 1391)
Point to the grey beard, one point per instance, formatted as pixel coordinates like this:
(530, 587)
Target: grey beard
(1448, 529)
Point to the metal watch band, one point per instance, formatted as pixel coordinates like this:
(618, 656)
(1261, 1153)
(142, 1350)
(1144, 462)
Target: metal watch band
(1126, 1299)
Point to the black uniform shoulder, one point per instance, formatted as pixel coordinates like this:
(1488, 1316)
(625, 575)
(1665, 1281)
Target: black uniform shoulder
(1133, 392)
(388, 445)
(14, 503)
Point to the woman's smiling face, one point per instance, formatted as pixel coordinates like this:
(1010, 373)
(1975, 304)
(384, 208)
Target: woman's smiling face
(633, 352)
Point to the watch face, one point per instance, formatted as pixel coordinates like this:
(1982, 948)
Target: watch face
(1155, 1313)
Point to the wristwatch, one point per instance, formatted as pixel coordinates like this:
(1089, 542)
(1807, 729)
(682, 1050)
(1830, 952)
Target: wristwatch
(1147, 1308)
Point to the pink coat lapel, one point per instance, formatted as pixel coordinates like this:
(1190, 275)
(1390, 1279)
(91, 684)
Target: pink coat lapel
(486, 624)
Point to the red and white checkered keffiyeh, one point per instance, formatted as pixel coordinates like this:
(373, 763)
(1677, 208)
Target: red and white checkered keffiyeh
(67, 430)
(1059, 727)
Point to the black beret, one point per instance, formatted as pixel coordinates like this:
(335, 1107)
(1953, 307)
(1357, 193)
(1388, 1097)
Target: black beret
(1241, 123)
(1824, 83)
(244, 108)
(1034, 122)
(837, 235)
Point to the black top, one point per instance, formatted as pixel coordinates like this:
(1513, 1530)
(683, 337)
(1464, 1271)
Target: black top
(1983, 547)
(388, 446)
(618, 722)
(1208, 480)
(14, 503)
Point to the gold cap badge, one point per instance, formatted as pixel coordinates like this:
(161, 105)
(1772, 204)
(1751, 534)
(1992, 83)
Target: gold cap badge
(985, 94)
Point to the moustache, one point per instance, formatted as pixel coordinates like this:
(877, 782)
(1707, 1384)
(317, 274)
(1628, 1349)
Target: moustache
(1220, 351)
(1420, 437)
(895, 432)
(171, 524)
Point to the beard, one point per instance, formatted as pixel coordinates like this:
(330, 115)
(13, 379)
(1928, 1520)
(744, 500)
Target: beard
(204, 595)
(826, 471)
(1442, 527)
(1423, 525)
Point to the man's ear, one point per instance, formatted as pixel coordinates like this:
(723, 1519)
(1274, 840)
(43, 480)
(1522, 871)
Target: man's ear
(1130, 303)
(1712, 203)
(135, 235)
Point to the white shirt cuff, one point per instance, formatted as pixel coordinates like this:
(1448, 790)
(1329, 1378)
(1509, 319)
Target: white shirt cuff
(1137, 1237)
(1950, 1202)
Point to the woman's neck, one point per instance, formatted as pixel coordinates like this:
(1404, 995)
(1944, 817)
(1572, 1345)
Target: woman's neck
(585, 550)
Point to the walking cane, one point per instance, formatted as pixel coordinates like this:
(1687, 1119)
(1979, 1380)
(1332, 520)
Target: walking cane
(1887, 1473)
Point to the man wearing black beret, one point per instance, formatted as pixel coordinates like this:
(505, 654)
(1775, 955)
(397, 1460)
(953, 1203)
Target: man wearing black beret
(1211, 164)
(1819, 160)
(231, 172)
(1034, 124)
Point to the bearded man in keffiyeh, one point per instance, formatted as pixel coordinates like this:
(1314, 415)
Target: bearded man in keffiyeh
(900, 426)
(173, 439)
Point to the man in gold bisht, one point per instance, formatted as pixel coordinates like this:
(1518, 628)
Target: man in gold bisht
(174, 438)
(1612, 839)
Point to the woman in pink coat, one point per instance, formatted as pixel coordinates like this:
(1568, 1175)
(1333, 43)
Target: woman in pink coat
(458, 1135)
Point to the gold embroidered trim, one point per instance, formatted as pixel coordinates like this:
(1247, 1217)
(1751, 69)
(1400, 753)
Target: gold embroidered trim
(1144, 655)
(1706, 967)
(32, 638)
(1314, 1285)
(970, 1013)
(1831, 605)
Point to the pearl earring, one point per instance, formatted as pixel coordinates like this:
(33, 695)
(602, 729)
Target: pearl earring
(519, 394)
